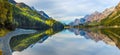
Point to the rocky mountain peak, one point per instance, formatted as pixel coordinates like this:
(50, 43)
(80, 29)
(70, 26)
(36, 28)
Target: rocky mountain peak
(107, 11)
(96, 12)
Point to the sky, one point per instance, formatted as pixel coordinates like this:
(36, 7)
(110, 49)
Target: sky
(69, 10)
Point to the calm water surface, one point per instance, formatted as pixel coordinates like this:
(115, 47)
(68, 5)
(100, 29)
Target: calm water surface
(66, 42)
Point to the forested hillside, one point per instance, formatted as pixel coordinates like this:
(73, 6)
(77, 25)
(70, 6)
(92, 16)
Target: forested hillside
(113, 19)
(19, 15)
(6, 19)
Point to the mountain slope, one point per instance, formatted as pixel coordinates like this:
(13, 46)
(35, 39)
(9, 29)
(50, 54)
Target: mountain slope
(113, 19)
(27, 17)
(94, 18)
(97, 16)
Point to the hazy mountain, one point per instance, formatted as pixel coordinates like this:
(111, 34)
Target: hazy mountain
(78, 21)
(75, 22)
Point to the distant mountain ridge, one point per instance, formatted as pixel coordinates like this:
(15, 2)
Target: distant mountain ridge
(93, 18)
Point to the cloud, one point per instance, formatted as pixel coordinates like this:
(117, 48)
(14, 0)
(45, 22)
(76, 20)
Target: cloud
(70, 8)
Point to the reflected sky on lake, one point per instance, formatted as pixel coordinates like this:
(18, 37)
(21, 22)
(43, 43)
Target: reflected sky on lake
(67, 43)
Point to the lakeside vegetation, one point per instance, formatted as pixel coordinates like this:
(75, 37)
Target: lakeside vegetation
(6, 18)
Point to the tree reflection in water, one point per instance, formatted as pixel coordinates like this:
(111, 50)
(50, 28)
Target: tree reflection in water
(21, 42)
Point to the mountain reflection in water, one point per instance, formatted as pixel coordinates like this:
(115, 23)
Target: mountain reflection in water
(110, 36)
(67, 42)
